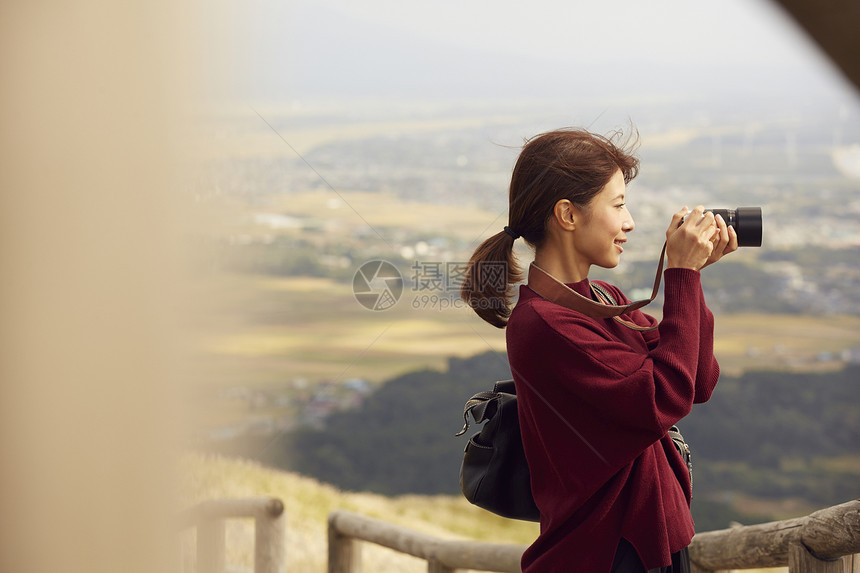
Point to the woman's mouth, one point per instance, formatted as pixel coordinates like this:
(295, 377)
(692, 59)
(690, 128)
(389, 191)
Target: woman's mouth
(619, 243)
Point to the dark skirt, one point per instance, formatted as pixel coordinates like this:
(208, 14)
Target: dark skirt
(627, 561)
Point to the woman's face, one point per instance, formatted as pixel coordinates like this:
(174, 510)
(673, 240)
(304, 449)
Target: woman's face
(602, 228)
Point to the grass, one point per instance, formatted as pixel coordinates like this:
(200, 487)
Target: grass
(308, 504)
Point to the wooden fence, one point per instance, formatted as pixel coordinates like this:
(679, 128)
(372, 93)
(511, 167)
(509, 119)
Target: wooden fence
(346, 529)
(822, 542)
(269, 532)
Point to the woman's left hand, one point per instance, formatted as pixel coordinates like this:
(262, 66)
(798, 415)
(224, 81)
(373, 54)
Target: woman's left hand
(725, 241)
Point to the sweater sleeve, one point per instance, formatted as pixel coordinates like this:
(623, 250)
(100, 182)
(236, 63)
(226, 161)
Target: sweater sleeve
(708, 367)
(683, 288)
(615, 399)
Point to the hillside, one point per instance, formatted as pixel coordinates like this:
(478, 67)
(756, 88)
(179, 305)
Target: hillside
(308, 502)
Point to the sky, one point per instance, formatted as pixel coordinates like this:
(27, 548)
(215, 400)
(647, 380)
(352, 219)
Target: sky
(278, 51)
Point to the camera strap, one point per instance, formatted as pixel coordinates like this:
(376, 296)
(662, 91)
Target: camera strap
(552, 289)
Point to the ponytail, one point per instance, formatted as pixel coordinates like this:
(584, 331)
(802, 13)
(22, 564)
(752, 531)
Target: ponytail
(489, 275)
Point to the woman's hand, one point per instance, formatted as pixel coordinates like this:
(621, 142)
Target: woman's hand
(725, 241)
(699, 240)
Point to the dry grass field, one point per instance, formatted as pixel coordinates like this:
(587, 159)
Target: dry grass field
(286, 328)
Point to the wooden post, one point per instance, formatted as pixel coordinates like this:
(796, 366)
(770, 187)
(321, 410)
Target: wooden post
(800, 560)
(344, 553)
(270, 529)
(211, 542)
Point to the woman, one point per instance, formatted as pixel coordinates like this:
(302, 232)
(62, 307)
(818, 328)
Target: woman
(595, 397)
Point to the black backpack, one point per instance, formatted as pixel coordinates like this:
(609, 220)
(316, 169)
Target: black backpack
(494, 473)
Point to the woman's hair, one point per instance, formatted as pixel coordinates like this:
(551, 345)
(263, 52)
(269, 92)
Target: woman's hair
(568, 164)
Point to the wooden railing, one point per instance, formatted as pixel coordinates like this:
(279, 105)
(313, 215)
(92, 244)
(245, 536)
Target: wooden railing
(822, 542)
(346, 529)
(269, 532)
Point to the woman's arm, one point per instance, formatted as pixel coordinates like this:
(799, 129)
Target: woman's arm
(707, 368)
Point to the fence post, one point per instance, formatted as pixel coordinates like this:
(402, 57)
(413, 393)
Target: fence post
(270, 529)
(211, 543)
(800, 560)
(344, 553)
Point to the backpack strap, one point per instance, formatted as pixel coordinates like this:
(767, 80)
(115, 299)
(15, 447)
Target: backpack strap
(478, 406)
(483, 405)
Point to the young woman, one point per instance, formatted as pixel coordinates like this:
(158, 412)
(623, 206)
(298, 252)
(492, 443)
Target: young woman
(596, 398)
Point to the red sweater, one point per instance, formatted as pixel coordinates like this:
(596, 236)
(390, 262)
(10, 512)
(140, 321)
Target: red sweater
(595, 402)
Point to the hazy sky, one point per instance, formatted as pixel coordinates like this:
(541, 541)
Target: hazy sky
(273, 50)
(722, 31)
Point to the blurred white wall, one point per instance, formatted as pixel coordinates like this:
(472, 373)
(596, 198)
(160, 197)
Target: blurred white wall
(90, 301)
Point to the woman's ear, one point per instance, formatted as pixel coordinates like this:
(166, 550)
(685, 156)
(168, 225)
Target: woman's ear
(565, 215)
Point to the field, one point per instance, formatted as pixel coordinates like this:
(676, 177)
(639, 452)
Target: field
(287, 328)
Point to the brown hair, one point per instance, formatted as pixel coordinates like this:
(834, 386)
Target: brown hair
(568, 164)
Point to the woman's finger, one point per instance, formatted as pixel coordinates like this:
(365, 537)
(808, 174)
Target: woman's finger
(733, 241)
(722, 234)
(695, 216)
(707, 223)
(678, 217)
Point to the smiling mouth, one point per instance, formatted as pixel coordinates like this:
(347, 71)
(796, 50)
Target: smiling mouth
(620, 244)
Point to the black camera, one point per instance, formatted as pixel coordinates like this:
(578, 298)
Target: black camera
(746, 221)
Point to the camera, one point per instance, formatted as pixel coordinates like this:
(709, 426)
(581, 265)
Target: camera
(746, 221)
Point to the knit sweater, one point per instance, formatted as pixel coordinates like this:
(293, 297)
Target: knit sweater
(595, 402)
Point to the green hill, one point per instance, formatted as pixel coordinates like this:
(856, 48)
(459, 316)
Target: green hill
(768, 445)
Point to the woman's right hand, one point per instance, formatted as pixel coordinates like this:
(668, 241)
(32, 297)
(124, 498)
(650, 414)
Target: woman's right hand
(690, 241)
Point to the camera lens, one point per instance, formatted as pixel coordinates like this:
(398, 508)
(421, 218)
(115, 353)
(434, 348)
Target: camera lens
(746, 221)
